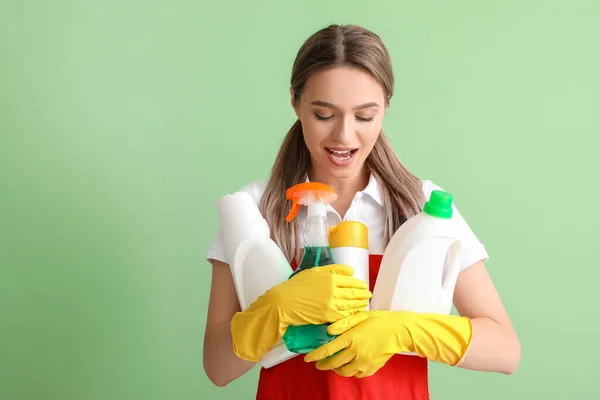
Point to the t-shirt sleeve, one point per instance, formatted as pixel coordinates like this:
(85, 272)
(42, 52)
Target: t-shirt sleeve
(472, 248)
(216, 250)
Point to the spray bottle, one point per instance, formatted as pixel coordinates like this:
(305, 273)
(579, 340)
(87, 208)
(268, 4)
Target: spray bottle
(316, 196)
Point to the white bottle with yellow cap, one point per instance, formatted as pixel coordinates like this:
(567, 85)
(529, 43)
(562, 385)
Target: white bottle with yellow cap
(349, 243)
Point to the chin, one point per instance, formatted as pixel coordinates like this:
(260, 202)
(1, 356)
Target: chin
(343, 172)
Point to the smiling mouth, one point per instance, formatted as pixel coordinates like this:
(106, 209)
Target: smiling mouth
(342, 155)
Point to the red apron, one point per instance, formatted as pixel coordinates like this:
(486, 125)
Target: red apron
(402, 377)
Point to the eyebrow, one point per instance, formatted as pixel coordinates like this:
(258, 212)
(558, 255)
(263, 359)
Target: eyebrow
(329, 105)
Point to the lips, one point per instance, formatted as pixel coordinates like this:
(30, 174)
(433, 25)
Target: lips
(341, 157)
(342, 154)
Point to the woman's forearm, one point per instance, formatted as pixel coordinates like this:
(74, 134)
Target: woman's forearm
(220, 362)
(494, 348)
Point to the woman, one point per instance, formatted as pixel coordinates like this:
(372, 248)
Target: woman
(341, 86)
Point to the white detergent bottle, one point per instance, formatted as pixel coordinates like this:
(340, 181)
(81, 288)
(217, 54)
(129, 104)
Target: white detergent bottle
(349, 243)
(256, 261)
(421, 263)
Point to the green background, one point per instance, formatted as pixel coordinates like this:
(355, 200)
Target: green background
(122, 123)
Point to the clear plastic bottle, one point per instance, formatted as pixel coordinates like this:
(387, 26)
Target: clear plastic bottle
(305, 338)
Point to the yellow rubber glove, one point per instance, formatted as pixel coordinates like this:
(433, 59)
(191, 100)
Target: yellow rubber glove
(369, 339)
(316, 296)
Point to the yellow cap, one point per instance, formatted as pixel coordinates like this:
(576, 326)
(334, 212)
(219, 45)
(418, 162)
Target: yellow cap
(349, 234)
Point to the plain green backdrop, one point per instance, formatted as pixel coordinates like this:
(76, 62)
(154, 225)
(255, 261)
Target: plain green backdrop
(122, 123)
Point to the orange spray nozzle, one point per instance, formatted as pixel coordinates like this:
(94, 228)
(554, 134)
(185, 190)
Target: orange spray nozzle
(307, 193)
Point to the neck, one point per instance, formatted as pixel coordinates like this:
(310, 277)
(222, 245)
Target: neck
(345, 187)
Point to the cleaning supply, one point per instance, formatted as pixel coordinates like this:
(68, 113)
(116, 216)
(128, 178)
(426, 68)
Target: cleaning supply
(367, 340)
(349, 243)
(420, 264)
(269, 300)
(316, 296)
(316, 196)
(257, 264)
(411, 303)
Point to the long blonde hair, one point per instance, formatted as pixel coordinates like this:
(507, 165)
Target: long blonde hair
(401, 191)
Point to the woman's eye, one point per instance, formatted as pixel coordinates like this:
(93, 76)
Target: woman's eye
(322, 117)
(328, 117)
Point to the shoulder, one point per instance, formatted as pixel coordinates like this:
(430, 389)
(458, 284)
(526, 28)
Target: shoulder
(473, 249)
(255, 189)
(428, 187)
(216, 248)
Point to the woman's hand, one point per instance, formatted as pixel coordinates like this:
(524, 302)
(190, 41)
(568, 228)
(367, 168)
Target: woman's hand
(315, 296)
(320, 295)
(367, 340)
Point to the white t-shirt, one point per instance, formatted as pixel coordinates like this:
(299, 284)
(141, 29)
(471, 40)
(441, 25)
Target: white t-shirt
(367, 207)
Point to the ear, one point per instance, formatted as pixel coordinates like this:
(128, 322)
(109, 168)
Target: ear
(293, 101)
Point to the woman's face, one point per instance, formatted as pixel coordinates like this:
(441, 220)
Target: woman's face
(341, 111)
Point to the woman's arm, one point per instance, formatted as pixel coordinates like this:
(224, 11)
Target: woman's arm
(220, 362)
(495, 346)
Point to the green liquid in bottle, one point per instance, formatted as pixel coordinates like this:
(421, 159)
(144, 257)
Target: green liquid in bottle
(303, 339)
(315, 257)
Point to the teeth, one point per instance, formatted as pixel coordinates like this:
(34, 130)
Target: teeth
(341, 152)
(341, 155)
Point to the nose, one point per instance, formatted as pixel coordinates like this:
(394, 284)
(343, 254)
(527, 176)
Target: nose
(344, 130)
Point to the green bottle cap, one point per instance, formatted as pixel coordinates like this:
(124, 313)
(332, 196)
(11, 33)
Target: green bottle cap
(439, 205)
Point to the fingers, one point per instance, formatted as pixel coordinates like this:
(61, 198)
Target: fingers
(337, 344)
(340, 269)
(353, 294)
(336, 360)
(355, 369)
(343, 281)
(364, 374)
(348, 370)
(349, 305)
(344, 276)
(345, 324)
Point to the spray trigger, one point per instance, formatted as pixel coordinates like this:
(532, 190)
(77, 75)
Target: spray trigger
(304, 194)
